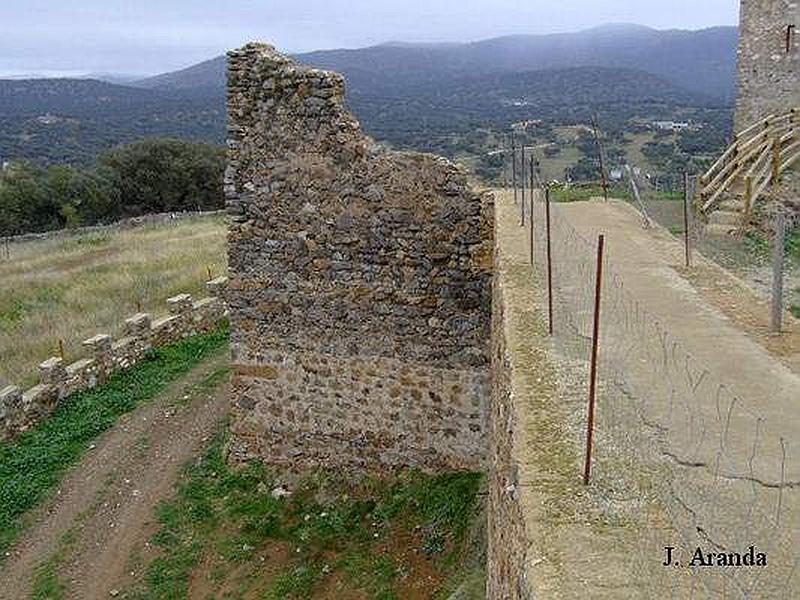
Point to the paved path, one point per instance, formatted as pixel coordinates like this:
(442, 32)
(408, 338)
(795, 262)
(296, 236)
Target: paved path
(649, 262)
(699, 411)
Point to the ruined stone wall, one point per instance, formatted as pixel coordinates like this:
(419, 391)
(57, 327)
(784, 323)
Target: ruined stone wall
(508, 540)
(769, 81)
(359, 284)
(20, 410)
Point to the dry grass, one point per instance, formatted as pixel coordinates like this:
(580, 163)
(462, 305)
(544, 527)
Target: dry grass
(72, 289)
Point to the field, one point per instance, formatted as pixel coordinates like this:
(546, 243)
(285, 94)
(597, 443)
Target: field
(71, 289)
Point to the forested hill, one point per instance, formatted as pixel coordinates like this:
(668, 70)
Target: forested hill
(701, 61)
(73, 120)
(562, 96)
(409, 95)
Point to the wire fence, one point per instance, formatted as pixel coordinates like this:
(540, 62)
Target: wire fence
(679, 459)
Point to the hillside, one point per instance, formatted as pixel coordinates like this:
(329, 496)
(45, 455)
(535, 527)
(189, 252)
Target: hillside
(72, 120)
(702, 61)
(564, 96)
(406, 94)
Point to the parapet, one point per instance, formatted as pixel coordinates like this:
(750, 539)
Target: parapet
(20, 410)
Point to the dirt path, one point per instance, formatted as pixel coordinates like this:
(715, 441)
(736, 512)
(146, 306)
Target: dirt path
(105, 505)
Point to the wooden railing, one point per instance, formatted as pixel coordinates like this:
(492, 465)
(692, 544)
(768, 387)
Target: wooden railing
(756, 159)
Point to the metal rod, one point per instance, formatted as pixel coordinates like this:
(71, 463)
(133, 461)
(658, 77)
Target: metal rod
(522, 185)
(549, 262)
(593, 374)
(514, 165)
(777, 271)
(530, 218)
(686, 199)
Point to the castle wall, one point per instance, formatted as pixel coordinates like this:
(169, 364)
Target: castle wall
(768, 77)
(359, 284)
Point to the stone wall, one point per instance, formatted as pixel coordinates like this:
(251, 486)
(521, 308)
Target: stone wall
(359, 284)
(508, 542)
(769, 80)
(21, 410)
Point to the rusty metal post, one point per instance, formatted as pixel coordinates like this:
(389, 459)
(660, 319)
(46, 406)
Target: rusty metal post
(549, 262)
(514, 165)
(522, 186)
(587, 470)
(530, 217)
(779, 253)
(687, 193)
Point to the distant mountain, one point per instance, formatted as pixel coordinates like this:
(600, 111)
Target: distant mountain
(207, 77)
(703, 62)
(411, 95)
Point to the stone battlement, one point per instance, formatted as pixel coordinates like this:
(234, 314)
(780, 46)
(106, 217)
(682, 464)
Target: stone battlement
(360, 283)
(21, 410)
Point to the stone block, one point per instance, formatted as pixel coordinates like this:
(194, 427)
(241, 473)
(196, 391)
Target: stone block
(138, 325)
(180, 304)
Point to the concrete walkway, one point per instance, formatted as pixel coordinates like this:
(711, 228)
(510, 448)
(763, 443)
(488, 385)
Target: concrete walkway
(650, 263)
(698, 419)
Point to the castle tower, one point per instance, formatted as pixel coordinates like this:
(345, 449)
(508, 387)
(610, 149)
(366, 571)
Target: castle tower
(768, 59)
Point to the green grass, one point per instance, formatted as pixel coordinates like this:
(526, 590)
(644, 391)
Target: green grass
(578, 193)
(760, 245)
(329, 525)
(71, 289)
(46, 583)
(35, 462)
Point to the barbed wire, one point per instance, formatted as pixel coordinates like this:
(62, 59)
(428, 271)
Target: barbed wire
(679, 456)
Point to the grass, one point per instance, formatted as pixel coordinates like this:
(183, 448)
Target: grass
(759, 245)
(373, 536)
(74, 288)
(35, 462)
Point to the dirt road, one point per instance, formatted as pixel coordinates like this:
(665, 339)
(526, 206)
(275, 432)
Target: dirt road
(105, 505)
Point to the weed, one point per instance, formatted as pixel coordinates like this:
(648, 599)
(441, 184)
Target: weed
(35, 462)
(297, 584)
(328, 525)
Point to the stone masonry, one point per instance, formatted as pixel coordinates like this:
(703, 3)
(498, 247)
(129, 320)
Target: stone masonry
(20, 410)
(768, 58)
(360, 284)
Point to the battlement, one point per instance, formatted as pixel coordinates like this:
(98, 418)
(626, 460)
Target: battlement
(20, 410)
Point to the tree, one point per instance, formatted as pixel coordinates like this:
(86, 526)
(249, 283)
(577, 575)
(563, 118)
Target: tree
(161, 175)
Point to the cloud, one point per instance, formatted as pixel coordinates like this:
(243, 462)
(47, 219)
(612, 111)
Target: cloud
(150, 36)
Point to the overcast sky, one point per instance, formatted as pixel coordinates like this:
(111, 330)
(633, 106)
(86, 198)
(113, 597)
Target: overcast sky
(70, 37)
